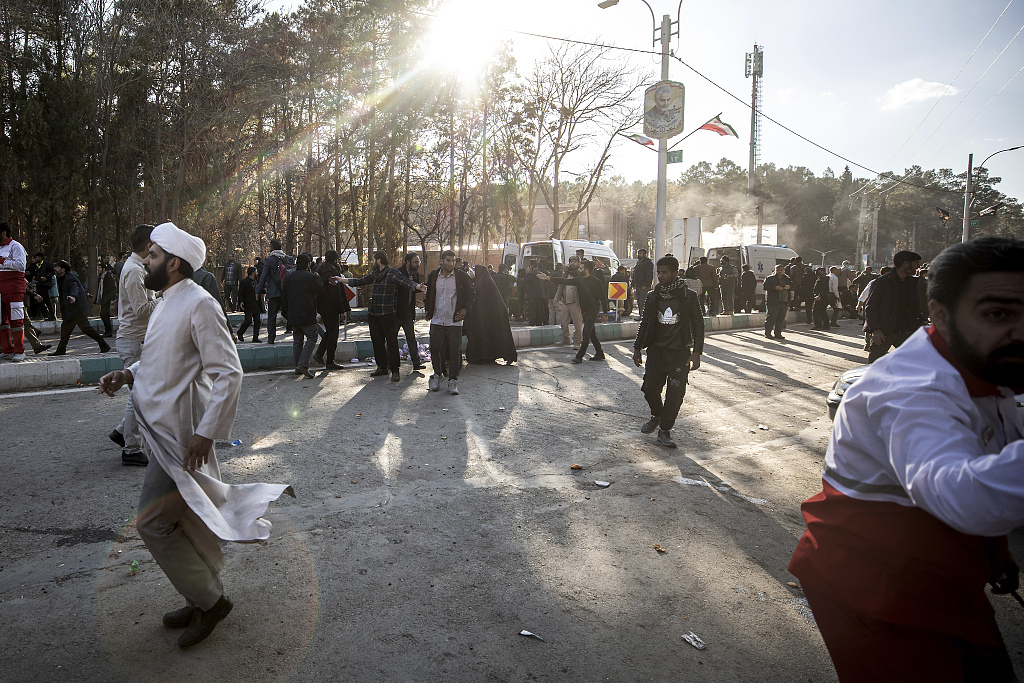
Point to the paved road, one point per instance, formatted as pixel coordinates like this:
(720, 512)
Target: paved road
(430, 529)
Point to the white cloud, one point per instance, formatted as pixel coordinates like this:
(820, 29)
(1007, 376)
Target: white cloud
(913, 91)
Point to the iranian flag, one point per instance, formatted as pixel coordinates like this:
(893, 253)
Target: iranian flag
(641, 139)
(719, 126)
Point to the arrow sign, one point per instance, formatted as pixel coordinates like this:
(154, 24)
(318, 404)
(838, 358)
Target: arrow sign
(350, 294)
(617, 291)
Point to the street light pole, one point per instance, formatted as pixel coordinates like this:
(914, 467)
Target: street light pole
(968, 195)
(660, 247)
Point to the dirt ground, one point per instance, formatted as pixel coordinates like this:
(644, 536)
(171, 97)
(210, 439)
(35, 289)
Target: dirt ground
(429, 529)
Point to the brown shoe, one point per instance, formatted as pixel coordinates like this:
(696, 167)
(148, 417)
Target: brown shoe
(179, 618)
(203, 623)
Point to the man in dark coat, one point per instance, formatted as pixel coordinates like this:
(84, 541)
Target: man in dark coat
(251, 305)
(821, 299)
(107, 295)
(592, 294)
(272, 278)
(533, 294)
(405, 309)
(74, 309)
(892, 312)
(643, 278)
(298, 303)
(333, 306)
(40, 272)
(748, 286)
(777, 292)
(450, 298)
(672, 331)
(504, 281)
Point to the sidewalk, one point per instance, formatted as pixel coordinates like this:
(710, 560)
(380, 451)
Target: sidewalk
(83, 364)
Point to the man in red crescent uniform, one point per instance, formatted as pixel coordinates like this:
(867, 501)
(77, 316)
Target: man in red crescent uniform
(13, 285)
(923, 479)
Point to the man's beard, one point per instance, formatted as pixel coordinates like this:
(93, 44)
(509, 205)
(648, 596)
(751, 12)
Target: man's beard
(157, 279)
(995, 367)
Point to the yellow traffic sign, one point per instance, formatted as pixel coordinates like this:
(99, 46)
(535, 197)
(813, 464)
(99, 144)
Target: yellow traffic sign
(617, 291)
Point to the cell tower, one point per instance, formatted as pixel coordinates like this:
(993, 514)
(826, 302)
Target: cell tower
(755, 68)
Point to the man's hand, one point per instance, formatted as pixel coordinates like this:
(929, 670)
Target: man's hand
(342, 280)
(542, 276)
(71, 299)
(112, 381)
(342, 318)
(459, 315)
(37, 297)
(198, 452)
(421, 288)
(602, 318)
(877, 338)
(638, 358)
(694, 361)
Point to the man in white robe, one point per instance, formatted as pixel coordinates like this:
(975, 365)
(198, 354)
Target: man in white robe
(185, 392)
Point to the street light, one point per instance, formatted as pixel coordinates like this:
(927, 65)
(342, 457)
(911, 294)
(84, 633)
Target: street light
(660, 243)
(823, 254)
(967, 192)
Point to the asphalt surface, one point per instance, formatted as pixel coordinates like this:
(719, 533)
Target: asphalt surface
(429, 529)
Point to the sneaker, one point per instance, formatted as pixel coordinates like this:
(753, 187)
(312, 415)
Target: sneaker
(665, 439)
(433, 383)
(453, 387)
(136, 459)
(395, 377)
(117, 437)
(652, 424)
(6, 356)
(18, 357)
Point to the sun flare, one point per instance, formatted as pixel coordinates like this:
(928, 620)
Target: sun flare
(463, 37)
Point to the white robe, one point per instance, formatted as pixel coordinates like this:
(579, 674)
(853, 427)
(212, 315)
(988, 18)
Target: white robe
(187, 382)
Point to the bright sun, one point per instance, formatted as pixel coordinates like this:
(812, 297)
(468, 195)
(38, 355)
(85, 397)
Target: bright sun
(463, 37)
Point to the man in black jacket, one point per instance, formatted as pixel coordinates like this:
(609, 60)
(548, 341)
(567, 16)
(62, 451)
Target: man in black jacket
(822, 296)
(748, 285)
(251, 305)
(333, 306)
(892, 312)
(592, 293)
(405, 309)
(643, 278)
(450, 297)
(298, 303)
(777, 292)
(271, 279)
(672, 331)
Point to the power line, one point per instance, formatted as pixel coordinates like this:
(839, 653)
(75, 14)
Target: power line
(980, 110)
(939, 98)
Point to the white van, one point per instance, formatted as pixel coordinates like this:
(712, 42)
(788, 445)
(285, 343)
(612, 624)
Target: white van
(550, 252)
(762, 259)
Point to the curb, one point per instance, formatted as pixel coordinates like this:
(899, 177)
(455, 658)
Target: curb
(88, 369)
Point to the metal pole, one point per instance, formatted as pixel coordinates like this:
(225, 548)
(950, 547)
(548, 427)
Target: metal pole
(967, 195)
(660, 248)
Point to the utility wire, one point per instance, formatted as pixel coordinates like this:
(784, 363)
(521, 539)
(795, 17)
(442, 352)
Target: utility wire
(980, 110)
(939, 98)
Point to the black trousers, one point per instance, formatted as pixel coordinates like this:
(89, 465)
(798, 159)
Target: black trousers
(250, 319)
(108, 328)
(67, 326)
(384, 335)
(589, 336)
(665, 367)
(820, 313)
(776, 318)
(537, 311)
(446, 350)
(744, 300)
(273, 308)
(408, 325)
(329, 342)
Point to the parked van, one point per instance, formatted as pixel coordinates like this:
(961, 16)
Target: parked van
(550, 252)
(762, 259)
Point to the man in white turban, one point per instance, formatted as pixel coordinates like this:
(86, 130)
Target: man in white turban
(185, 391)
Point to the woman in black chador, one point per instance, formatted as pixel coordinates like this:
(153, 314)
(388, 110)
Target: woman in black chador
(487, 329)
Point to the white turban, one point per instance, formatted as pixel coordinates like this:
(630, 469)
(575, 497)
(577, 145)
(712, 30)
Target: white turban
(174, 240)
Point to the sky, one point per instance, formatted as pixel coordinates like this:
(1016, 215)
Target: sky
(884, 84)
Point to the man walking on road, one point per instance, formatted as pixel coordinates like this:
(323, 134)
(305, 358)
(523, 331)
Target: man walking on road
(592, 294)
(135, 305)
(405, 309)
(776, 298)
(923, 479)
(13, 261)
(333, 306)
(450, 297)
(892, 312)
(672, 331)
(298, 303)
(272, 278)
(728, 276)
(250, 304)
(643, 278)
(189, 371)
(74, 309)
(381, 316)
